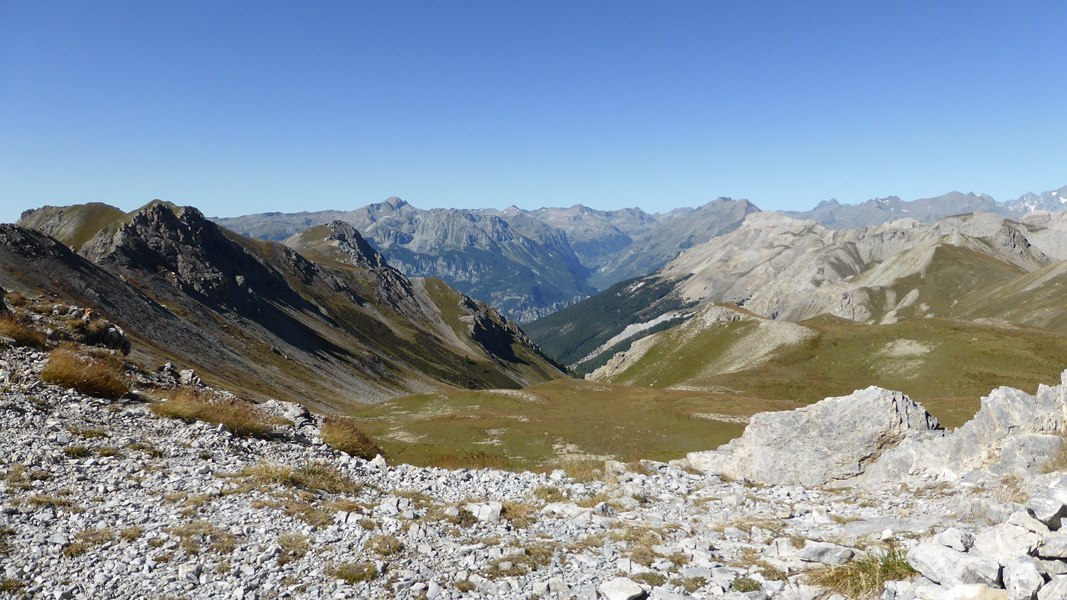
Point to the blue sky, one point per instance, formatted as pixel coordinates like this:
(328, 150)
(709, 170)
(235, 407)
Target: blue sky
(239, 107)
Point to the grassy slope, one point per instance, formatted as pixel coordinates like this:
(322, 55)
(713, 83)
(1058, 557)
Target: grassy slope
(964, 361)
(570, 334)
(600, 419)
(1033, 299)
(80, 222)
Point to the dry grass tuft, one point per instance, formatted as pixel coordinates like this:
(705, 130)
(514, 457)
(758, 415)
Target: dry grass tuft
(864, 577)
(746, 584)
(22, 334)
(101, 376)
(76, 451)
(344, 435)
(132, 533)
(385, 545)
(86, 540)
(192, 537)
(50, 501)
(550, 493)
(353, 573)
(314, 476)
(238, 416)
(519, 514)
(298, 509)
(294, 546)
(583, 471)
(532, 557)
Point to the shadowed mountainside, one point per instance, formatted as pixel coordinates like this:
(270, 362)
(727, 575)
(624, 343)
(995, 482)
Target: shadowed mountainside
(345, 328)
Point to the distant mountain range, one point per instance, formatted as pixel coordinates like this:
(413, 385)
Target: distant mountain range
(530, 263)
(972, 266)
(324, 321)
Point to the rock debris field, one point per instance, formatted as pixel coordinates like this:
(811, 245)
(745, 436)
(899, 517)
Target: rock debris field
(104, 499)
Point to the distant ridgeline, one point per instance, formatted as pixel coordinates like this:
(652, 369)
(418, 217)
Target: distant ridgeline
(529, 264)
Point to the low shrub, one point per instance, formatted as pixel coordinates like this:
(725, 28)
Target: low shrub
(344, 435)
(100, 376)
(240, 417)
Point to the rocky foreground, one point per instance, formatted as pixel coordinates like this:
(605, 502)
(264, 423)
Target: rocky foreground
(105, 499)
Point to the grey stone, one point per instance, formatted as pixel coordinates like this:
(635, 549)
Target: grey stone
(1008, 418)
(1005, 542)
(825, 553)
(956, 539)
(1053, 546)
(832, 440)
(1047, 499)
(950, 567)
(1056, 589)
(1022, 579)
(485, 511)
(621, 588)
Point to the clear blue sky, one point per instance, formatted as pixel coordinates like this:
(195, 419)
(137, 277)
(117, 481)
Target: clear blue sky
(239, 107)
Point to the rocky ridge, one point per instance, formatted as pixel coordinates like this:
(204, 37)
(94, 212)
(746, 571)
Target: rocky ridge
(262, 317)
(106, 499)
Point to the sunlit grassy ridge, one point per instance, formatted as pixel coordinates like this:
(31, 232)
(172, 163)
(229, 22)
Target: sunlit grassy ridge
(945, 364)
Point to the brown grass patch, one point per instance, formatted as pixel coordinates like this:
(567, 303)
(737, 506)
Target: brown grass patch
(101, 376)
(343, 434)
(353, 573)
(519, 514)
(385, 545)
(864, 577)
(294, 546)
(238, 416)
(22, 334)
(314, 476)
(192, 537)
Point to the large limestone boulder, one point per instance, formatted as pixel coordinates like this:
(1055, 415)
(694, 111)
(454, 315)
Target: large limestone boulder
(1012, 433)
(833, 440)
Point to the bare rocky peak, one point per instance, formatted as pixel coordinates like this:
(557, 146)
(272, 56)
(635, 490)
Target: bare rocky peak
(1053, 201)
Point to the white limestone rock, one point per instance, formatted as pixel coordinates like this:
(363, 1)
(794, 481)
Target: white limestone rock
(621, 588)
(1005, 542)
(830, 441)
(950, 567)
(1022, 579)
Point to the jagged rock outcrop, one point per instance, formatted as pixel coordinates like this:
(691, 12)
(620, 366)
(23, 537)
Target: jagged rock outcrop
(1012, 433)
(831, 441)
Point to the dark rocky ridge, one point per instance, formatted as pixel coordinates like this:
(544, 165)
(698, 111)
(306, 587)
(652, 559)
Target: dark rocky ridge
(262, 316)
